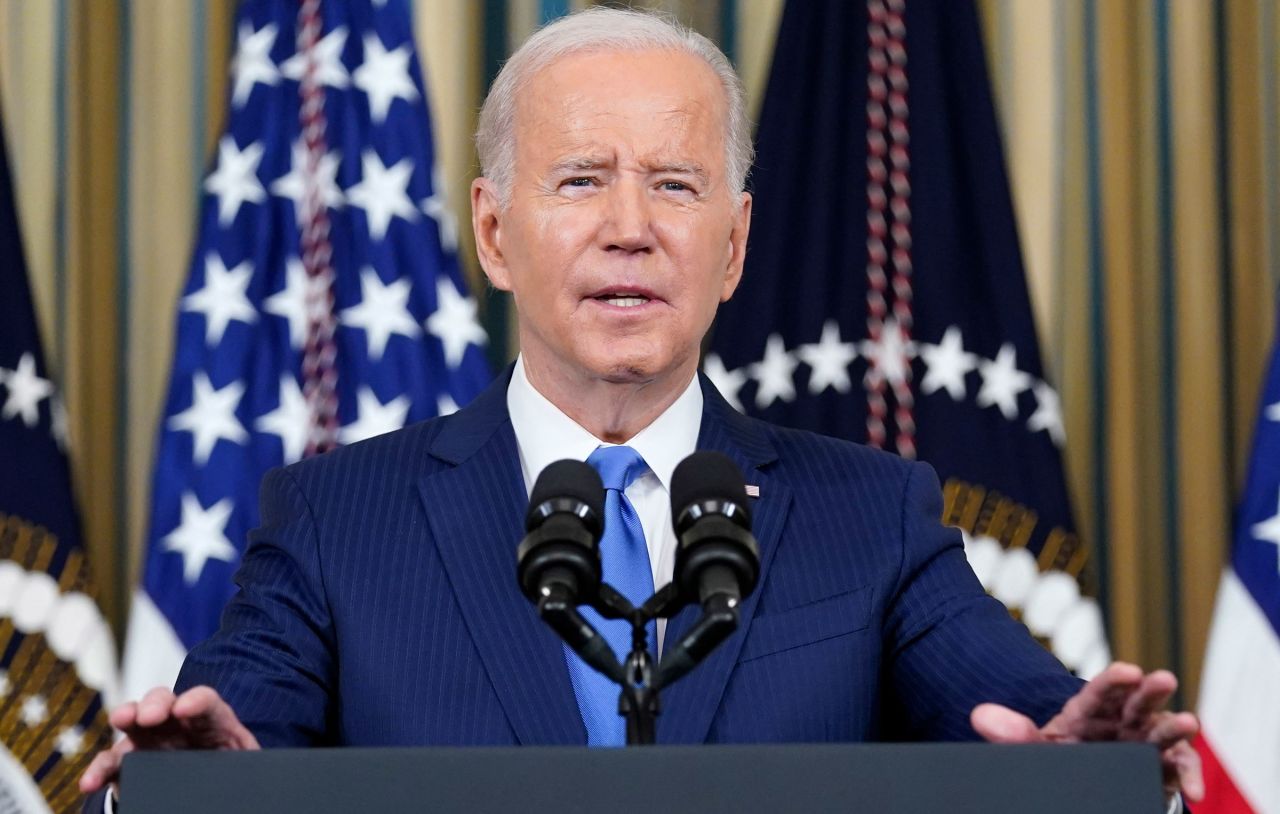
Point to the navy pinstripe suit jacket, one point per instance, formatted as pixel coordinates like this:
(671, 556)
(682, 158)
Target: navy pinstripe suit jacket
(378, 603)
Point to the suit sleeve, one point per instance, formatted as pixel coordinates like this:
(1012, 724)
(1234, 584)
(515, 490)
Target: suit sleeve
(272, 658)
(950, 646)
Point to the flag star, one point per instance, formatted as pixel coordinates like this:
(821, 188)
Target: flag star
(384, 76)
(1273, 412)
(374, 417)
(1048, 414)
(947, 363)
(252, 63)
(728, 382)
(70, 741)
(828, 360)
(291, 420)
(383, 311)
(211, 416)
(293, 185)
(454, 322)
(890, 356)
(201, 536)
(302, 297)
(222, 298)
(35, 710)
(235, 181)
(774, 373)
(26, 391)
(382, 192)
(437, 208)
(328, 61)
(445, 405)
(1002, 381)
(1268, 531)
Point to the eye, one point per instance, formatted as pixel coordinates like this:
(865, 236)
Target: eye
(675, 186)
(579, 182)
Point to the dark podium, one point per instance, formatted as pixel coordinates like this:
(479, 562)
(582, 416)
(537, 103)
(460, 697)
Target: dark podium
(932, 778)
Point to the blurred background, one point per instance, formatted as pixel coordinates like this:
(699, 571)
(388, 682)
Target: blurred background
(1142, 140)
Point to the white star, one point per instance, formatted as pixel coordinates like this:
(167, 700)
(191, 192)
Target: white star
(291, 420)
(328, 56)
(384, 76)
(1273, 412)
(383, 311)
(890, 357)
(295, 302)
(34, 711)
(728, 382)
(1048, 414)
(1268, 531)
(382, 192)
(1002, 381)
(70, 741)
(774, 373)
(26, 391)
(235, 180)
(223, 297)
(948, 363)
(437, 208)
(252, 62)
(293, 185)
(201, 536)
(211, 416)
(445, 405)
(375, 418)
(454, 322)
(828, 360)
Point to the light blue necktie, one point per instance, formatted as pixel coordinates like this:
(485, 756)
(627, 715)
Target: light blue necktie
(625, 562)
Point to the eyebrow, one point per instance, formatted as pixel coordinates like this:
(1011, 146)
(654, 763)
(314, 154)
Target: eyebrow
(578, 163)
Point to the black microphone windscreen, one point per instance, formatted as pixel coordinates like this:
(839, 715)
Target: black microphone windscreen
(707, 475)
(567, 479)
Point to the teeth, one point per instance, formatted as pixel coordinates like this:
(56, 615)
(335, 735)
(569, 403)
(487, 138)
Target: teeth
(626, 302)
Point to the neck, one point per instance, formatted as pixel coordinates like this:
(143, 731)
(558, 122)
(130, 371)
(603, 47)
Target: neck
(613, 410)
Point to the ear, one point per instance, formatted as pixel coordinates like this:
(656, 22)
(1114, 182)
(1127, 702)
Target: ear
(486, 222)
(737, 246)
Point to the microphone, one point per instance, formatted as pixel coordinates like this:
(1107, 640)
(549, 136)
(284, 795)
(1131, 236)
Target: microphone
(716, 556)
(560, 557)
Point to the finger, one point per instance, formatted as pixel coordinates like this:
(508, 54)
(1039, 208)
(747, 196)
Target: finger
(999, 724)
(124, 716)
(1181, 765)
(105, 767)
(1094, 712)
(1152, 694)
(1169, 728)
(155, 707)
(211, 721)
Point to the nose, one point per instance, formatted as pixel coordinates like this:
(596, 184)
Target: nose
(628, 222)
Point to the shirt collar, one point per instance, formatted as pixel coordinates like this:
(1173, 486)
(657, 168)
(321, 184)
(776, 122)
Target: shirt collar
(544, 434)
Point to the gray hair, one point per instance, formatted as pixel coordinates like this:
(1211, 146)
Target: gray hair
(603, 29)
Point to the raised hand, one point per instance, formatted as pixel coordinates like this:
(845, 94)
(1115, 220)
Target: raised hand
(197, 719)
(1121, 704)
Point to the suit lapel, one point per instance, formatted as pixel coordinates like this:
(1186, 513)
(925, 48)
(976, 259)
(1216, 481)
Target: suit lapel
(475, 509)
(689, 705)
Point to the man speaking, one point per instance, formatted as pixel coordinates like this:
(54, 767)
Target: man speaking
(378, 603)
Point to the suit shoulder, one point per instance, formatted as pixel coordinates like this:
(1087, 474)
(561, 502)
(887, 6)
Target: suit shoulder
(393, 452)
(810, 456)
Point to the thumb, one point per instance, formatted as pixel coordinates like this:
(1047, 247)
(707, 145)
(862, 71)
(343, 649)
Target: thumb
(999, 724)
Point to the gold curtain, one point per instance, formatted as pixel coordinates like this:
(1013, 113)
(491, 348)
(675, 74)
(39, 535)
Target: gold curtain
(1144, 145)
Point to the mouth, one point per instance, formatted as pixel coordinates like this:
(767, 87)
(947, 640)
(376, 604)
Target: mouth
(624, 297)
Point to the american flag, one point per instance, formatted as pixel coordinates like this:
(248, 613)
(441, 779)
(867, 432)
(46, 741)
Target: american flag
(884, 299)
(1240, 689)
(324, 305)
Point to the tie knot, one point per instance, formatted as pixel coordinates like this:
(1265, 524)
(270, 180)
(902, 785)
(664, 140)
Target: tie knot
(618, 466)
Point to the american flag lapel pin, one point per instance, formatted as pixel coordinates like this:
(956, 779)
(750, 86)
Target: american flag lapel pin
(753, 491)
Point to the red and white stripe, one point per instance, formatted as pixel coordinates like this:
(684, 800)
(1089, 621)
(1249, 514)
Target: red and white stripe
(1240, 707)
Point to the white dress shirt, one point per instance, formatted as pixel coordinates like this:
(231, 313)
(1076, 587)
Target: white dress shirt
(544, 435)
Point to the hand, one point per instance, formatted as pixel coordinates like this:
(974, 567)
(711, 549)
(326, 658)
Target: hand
(1121, 704)
(197, 719)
